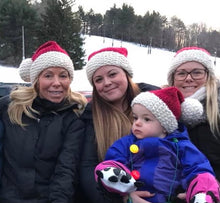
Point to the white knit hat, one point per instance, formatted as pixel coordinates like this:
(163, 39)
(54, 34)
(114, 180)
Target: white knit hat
(108, 56)
(188, 54)
(50, 54)
(169, 107)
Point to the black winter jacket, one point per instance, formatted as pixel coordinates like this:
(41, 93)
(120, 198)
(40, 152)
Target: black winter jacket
(201, 135)
(204, 140)
(89, 191)
(40, 161)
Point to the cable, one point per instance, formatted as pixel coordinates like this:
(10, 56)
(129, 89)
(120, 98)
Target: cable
(175, 140)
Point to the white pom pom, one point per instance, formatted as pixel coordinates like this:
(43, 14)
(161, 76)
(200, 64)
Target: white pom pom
(24, 69)
(192, 111)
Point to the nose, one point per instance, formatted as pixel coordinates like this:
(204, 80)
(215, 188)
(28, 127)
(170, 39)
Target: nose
(107, 81)
(189, 77)
(56, 81)
(137, 122)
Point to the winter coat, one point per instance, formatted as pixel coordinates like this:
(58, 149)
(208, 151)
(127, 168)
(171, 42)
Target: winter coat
(88, 192)
(203, 138)
(164, 164)
(41, 159)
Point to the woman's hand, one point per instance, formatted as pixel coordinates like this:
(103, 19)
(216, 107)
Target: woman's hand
(181, 196)
(138, 196)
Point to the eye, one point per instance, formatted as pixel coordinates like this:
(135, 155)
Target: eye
(112, 74)
(197, 72)
(181, 73)
(47, 75)
(135, 117)
(64, 75)
(146, 119)
(98, 80)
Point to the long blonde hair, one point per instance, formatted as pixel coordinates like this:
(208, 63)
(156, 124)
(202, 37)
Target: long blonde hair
(212, 104)
(22, 99)
(110, 123)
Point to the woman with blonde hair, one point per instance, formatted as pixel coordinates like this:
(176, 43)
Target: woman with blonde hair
(108, 116)
(43, 132)
(192, 72)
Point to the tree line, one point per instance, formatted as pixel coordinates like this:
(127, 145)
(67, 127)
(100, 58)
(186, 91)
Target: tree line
(55, 20)
(152, 29)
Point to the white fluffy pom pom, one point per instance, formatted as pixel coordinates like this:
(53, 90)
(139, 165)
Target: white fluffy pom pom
(24, 69)
(192, 111)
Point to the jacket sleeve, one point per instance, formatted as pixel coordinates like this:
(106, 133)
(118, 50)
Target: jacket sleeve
(119, 151)
(193, 162)
(89, 190)
(65, 178)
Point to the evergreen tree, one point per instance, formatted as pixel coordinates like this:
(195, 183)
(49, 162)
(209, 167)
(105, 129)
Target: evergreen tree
(110, 22)
(94, 23)
(180, 32)
(60, 24)
(13, 15)
(138, 31)
(126, 21)
(83, 19)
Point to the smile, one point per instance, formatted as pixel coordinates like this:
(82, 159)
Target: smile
(55, 92)
(110, 90)
(191, 87)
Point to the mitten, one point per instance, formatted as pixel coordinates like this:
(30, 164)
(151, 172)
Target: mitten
(203, 189)
(115, 177)
(204, 198)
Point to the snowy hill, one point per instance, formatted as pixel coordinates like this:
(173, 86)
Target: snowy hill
(150, 68)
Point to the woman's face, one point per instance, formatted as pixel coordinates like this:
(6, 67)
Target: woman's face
(53, 84)
(111, 83)
(190, 85)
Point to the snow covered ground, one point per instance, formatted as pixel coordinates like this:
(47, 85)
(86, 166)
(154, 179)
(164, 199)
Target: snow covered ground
(150, 68)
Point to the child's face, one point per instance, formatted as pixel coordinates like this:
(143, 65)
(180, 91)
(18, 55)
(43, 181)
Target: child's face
(145, 124)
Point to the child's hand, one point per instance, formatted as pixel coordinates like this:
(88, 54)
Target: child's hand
(117, 180)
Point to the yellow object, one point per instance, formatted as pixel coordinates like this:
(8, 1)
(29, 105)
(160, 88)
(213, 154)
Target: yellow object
(134, 148)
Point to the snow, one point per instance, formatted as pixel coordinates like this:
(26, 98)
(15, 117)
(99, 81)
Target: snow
(149, 68)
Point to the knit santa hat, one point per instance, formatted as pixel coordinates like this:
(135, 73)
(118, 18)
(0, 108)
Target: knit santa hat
(108, 56)
(50, 54)
(169, 107)
(188, 54)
